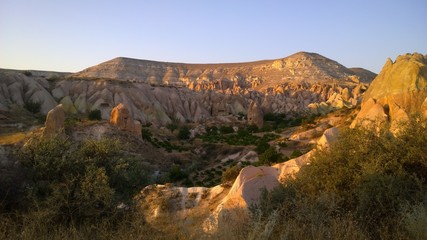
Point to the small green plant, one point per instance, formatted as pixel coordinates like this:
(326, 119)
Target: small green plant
(32, 106)
(184, 133)
(230, 174)
(172, 126)
(269, 156)
(295, 154)
(94, 115)
(176, 173)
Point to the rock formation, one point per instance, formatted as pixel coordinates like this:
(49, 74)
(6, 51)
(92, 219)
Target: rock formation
(159, 92)
(255, 115)
(399, 91)
(54, 124)
(328, 137)
(122, 119)
(17, 88)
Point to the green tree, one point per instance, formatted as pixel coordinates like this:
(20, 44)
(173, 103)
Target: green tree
(94, 115)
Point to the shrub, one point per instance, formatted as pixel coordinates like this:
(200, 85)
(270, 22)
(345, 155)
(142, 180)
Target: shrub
(368, 178)
(94, 115)
(226, 129)
(230, 174)
(262, 146)
(295, 154)
(269, 156)
(172, 126)
(76, 183)
(146, 134)
(33, 107)
(184, 133)
(176, 174)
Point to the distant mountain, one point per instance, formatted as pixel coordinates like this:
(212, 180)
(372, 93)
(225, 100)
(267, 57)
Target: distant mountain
(261, 75)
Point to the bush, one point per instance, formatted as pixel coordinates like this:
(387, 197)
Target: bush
(269, 156)
(33, 107)
(176, 174)
(94, 115)
(172, 126)
(230, 174)
(367, 178)
(184, 133)
(226, 129)
(295, 154)
(76, 183)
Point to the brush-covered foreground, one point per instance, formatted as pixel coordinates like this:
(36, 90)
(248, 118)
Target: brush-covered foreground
(369, 184)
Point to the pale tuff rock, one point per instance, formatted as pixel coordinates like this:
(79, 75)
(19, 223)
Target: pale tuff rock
(16, 88)
(122, 119)
(397, 92)
(255, 115)
(328, 137)
(54, 124)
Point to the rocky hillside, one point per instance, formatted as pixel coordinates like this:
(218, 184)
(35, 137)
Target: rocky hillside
(259, 75)
(160, 93)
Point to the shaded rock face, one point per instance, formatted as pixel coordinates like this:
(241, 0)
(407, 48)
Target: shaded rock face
(400, 90)
(121, 118)
(255, 115)
(54, 124)
(17, 88)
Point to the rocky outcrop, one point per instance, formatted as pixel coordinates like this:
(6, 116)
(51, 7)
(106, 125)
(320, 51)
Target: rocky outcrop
(399, 91)
(255, 115)
(121, 118)
(329, 136)
(17, 88)
(54, 124)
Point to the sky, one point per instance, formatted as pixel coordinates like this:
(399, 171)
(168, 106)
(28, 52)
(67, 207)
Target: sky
(69, 36)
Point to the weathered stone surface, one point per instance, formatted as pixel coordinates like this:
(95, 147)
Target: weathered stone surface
(329, 136)
(255, 115)
(397, 92)
(54, 124)
(122, 118)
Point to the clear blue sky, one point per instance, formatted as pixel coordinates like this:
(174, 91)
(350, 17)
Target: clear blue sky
(75, 34)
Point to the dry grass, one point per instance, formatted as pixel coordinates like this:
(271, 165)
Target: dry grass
(11, 138)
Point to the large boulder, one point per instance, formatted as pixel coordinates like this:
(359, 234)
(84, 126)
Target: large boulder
(54, 124)
(121, 118)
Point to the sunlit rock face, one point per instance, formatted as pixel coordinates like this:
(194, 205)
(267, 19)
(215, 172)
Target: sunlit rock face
(121, 118)
(399, 91)
(54, 124)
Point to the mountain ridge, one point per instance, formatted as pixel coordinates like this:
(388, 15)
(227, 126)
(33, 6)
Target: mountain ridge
(299, 66)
